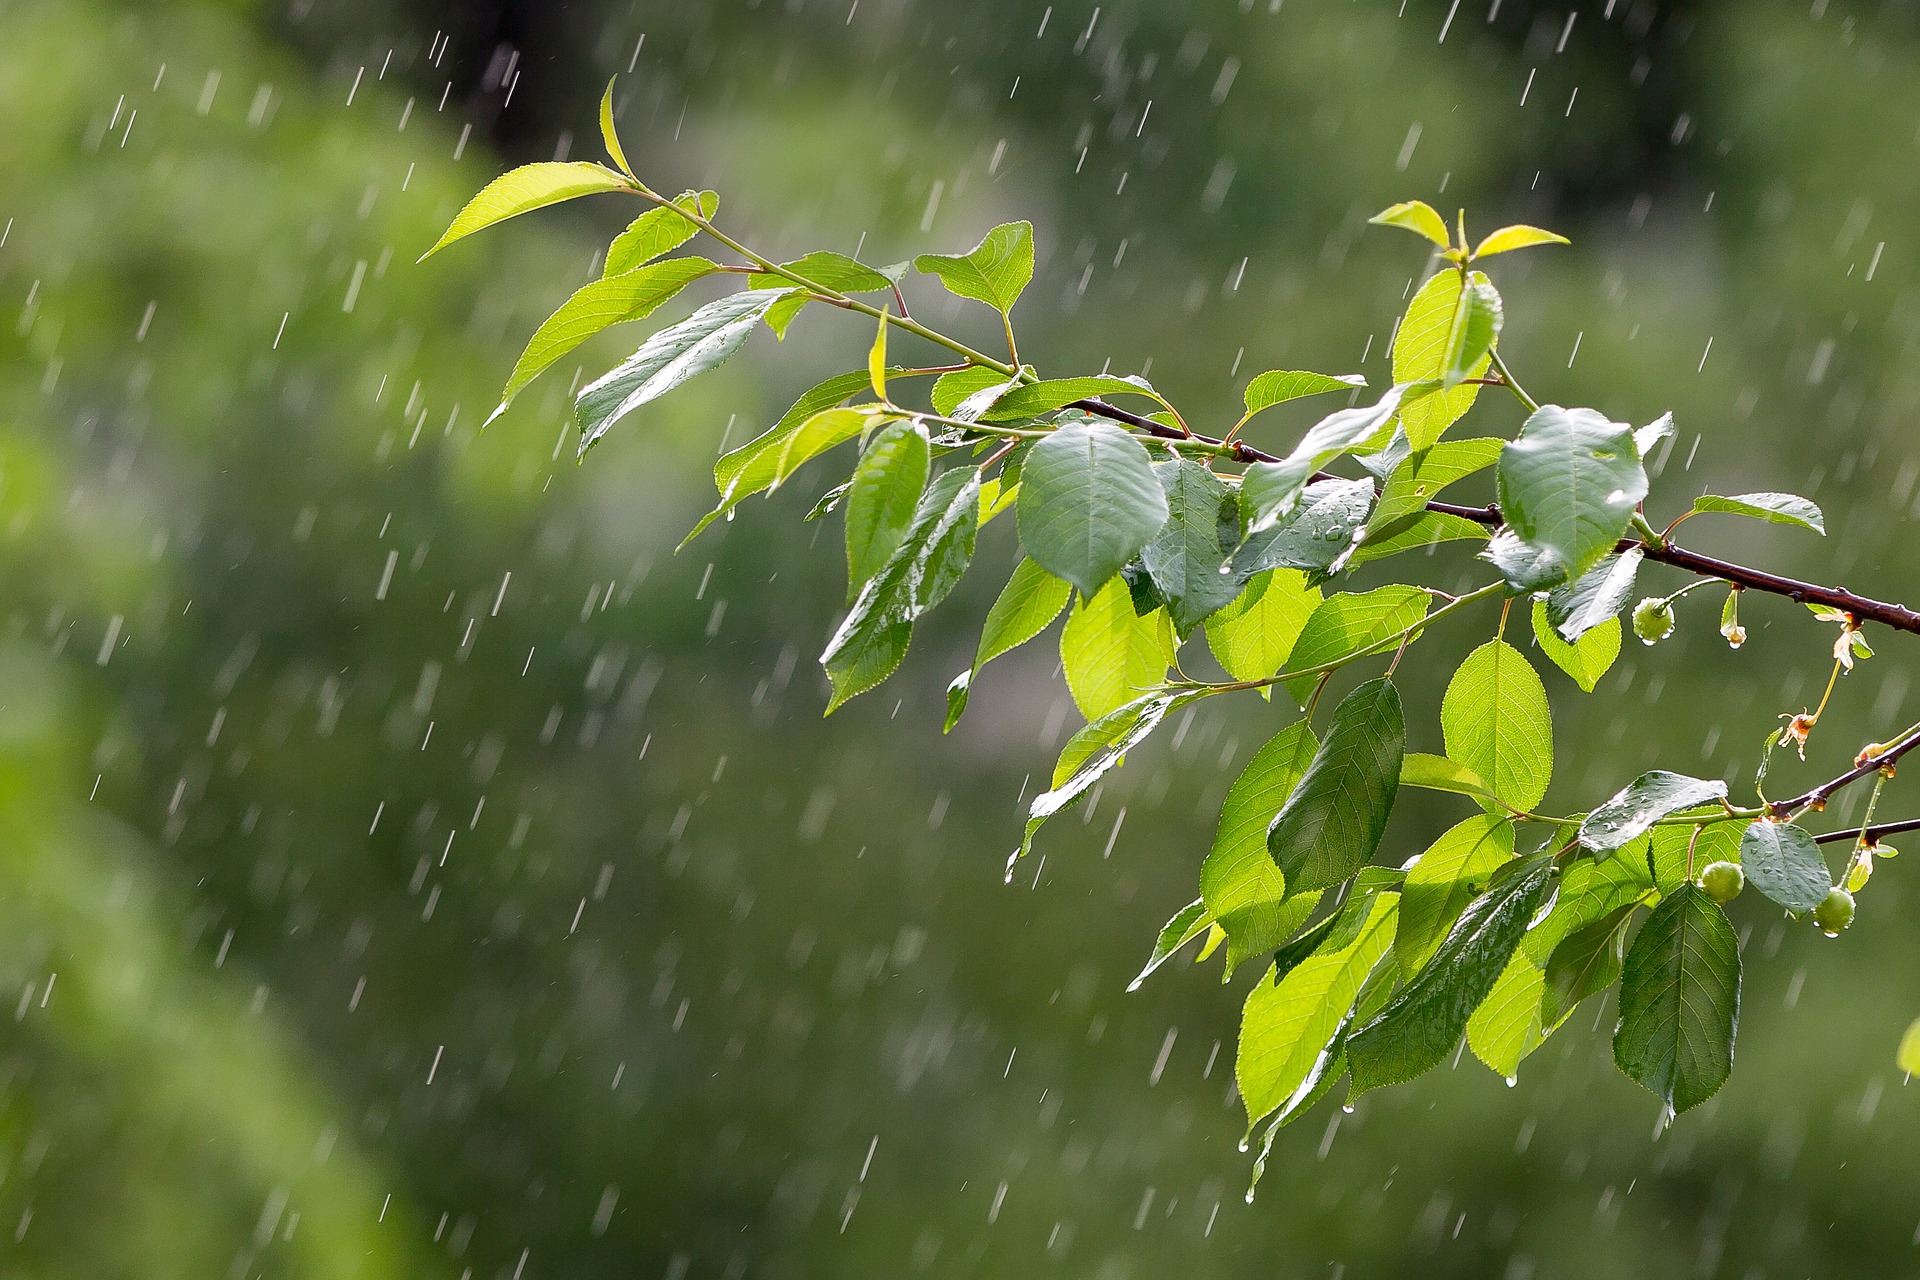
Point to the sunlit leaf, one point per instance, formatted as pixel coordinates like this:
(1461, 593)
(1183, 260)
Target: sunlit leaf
(610, 300)
(1416, 216)
(658, 231)
(1112, 654)
(995, 271)
(884, 495)
(1451, 873)
(1427, 344)
(530, 187)
(1289, 1021)
(1588, 658)
(1776, 508)
(1187, 924)
(667, 359)
(1251, 637)
(1278, 386)
(1518, 236)
(1496, 722)
(1239, 880)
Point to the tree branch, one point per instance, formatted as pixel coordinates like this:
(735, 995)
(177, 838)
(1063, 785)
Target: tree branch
(1872, 833)
(1817, 797)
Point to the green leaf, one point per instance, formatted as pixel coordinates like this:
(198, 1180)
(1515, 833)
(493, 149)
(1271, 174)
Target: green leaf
(1648, 798)
(873, 638)
(1437, 773)
(1242, 887)
(1678, 854)
(1432, 336)
(1680, 1001)
(835, 271)
(865, 658)
(1518, 236)
(821, 432)
(1089, 501)
(1278, 386)
(1289, 1021)
(1031, 399)
(667, 359)
(1569, 485)
(951, 390)
(884, 495)
(1495, 720)
(1184, 559)
(1420, 1027)
(1269, 491)
(1648, 438)
(1347, 625)
(609, 134)
(1449, 875)
(1416, 216)
(1776, 508)
(877, 362)
(1332, 823)
(1595, 598)
(1588, 658)
(1111, 654)
(1589, 892)
(995, 271)
(522, 190)
(1508, 1025)
(611, 300)
(754, 466)
(1030, 601)
(658, 231)
(1187, 924)
(1586, 962)
(1427, 530)
(1253, 635)
(1318, 536)
(1476, 327)
(1095, 750)
(1419, 479)
(1782, 861)
(1907, 1058)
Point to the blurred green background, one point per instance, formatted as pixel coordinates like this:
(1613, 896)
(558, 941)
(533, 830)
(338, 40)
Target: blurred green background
(410, 867)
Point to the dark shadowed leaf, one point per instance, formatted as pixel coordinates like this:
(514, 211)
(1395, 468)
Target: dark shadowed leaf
(1448, 876)
(1680, 1000)
(1332, 823)
(1184, 559)
(884, 495)
(1420, 1027)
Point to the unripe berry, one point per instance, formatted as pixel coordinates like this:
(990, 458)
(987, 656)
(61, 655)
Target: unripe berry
(1835, 912)
(1652, 620)
(1723, 881)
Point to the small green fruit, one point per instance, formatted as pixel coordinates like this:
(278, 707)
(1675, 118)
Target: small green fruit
(1723, 881)
(1835, 912)
(1653, 620)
